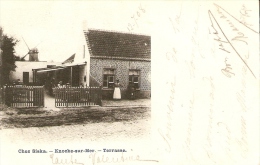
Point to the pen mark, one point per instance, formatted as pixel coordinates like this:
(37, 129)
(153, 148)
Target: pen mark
(239, 38)
(56, 160)
(177, 21)
(211, 109)
(172, 55)
(225, 134)
(168, 149)
(227, 71)
(241, 96)
(236, 18)
(211, 15)
(244, 15)
(191, 67)
(190, 123)
(97, 158)
(221, 42)
(135, 18)
(243, 140)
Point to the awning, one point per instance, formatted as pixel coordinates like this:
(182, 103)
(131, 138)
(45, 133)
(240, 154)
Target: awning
(75, 64)
(58, 67)
(48, 69)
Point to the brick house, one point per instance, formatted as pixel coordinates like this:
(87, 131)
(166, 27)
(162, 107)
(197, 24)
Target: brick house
(122, 56)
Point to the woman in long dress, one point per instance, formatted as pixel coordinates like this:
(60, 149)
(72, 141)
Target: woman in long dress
(117, 91)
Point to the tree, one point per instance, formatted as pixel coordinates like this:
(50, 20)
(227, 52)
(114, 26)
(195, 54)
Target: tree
(8, 56)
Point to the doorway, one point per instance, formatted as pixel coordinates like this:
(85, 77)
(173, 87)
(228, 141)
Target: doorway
(75, 76)
(26, 78)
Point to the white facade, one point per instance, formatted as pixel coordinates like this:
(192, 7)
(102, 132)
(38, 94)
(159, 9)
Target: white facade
(27, 66)
(82, 58)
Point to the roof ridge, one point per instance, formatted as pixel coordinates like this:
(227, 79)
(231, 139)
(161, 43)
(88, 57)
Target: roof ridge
(114, 31)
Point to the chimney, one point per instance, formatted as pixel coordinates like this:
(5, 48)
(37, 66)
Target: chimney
(85, 26)
(83, 51)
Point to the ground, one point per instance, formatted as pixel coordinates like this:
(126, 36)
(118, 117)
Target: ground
(92, 123)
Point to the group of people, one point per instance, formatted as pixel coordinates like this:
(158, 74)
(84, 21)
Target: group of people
(61, 85)
(52, 85)
(17, 82)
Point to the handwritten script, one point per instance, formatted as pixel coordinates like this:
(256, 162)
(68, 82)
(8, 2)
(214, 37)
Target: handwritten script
(135, 18)
(207, 112)
(97, 158)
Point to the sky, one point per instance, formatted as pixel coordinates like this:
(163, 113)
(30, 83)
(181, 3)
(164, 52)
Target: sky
(57, 26)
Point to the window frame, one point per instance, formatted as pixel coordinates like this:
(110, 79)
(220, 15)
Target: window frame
(106, 81)
(131, 77)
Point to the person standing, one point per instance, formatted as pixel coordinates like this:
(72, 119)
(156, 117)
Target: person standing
(131, 91)
(59, 84)
(117, 91)
(52, 85)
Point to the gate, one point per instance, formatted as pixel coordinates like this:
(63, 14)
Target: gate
(24, 96)
(77, 96)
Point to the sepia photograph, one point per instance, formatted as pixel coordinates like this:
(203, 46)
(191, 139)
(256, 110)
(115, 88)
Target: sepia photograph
(129, 82)
(74, 72)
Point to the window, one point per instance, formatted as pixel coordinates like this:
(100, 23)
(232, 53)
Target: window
(134, 77)
(108, 77)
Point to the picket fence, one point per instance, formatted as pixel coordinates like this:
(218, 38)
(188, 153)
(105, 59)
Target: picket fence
(24, 96)
(77, 96)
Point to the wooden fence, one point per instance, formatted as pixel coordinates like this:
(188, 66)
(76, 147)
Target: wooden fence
(77, 96)
(24, 96)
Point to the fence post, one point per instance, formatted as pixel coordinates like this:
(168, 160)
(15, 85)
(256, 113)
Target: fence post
(67, 95)
(43, 103)
(100, 95)
(8, 93)
(2, 96)
(1, 93)
(34, 97)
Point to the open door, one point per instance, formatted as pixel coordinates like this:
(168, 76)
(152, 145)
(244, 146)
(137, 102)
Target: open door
(75, 76)
(26, 78)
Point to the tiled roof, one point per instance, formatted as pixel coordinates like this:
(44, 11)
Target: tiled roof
(119, 45)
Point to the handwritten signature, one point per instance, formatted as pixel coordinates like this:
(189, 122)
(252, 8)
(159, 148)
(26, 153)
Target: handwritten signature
(227, 41)
(71, 160)
(95, 158)
(244, 11)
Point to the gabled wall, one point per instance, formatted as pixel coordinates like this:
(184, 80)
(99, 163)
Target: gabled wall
(82, 56)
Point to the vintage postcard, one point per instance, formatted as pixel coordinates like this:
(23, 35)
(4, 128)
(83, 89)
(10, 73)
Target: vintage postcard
(129, 82)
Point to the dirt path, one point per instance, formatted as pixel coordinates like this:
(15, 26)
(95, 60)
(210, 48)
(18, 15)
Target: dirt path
(67, 125)
(76, 133)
